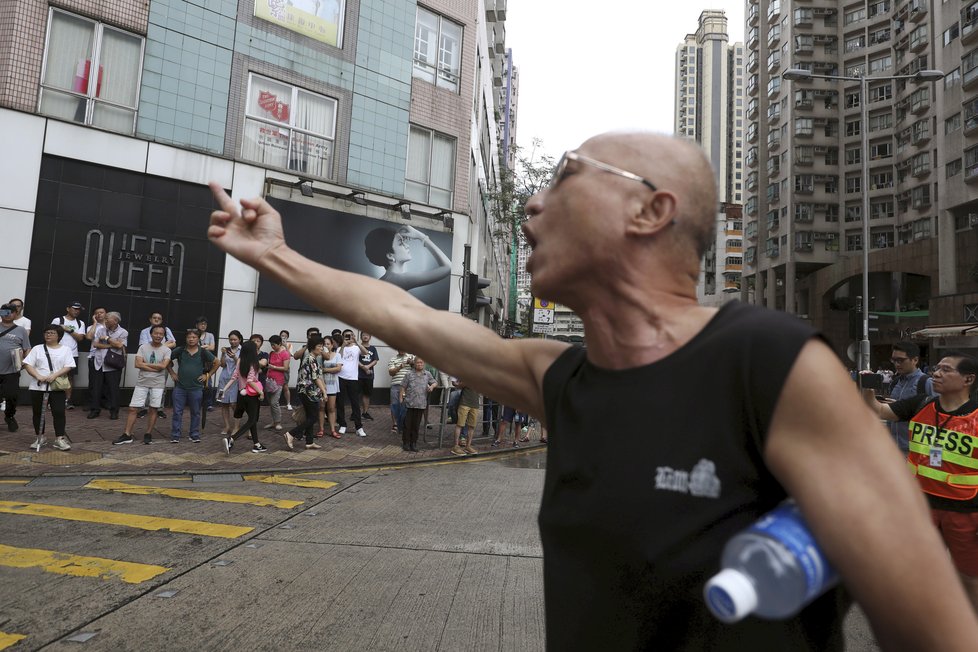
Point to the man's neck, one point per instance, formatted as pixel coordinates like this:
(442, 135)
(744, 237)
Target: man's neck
(191, 349)
(952, 401)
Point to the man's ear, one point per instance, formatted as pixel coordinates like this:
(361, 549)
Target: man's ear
(654, 214)
(390, 256)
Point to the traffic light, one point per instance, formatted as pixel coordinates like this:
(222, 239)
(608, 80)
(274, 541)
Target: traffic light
(472, 299)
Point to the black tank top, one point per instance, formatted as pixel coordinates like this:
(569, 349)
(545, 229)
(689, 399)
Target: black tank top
(650, 471)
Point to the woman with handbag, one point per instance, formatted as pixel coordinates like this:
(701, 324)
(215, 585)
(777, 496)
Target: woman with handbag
(229, 363)
(312, 392)
(109, 359)
(275, 379)
(250, 394)
(48, 365)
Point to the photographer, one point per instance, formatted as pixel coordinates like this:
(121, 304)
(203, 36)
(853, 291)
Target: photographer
(14, 345)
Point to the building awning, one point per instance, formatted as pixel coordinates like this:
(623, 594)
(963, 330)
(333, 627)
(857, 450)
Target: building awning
(948, 330)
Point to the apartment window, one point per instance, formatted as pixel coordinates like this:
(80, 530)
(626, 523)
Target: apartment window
(803, 241)
(854, 241)
(772, 248)
(804, 154)
(91, 73)
(952, 168)
(853, 127)
(856, 70)
(879, 36)
(881, 209)
(804, 184)
(880, 121)
(969, 66)
(920, 164)
(437, 50)
(804, 126)
(970, 114)
(882, 239)
(880, 64)
(879, 180)
(920, 196)
(952, 78)
(854, 184)
(881, 93)
(880, 150)
(804, 213)
(852, 99)
(878, 7)
(288, 127)
(950, 34)
(831, 212)
(430, 174)
(855, 43)
(855, 14)
(832, 156)
(853, 155)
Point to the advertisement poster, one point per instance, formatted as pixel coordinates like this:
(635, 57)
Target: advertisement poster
(318, 19)
(416, 259)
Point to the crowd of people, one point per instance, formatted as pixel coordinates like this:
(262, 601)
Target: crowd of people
(335, 377)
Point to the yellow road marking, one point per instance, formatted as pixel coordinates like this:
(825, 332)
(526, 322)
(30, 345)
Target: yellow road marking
(127, 520)
(64, 564)
(6, 640)
(295, 482)
(186, 494)
(13, 482)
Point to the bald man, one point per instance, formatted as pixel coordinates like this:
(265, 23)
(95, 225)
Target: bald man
(633, 524)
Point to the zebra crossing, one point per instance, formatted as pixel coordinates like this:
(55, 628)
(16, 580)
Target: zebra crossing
(135, 509)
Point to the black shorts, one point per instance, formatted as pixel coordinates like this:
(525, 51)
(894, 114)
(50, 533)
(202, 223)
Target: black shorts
(366, 386)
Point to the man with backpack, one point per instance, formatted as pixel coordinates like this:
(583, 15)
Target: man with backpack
(908, 381)
(74, 329)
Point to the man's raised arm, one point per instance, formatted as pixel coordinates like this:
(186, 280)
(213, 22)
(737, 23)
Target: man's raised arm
(511, 371)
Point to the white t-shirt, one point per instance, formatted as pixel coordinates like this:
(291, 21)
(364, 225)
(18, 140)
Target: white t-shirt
(350, 357)
(61, 357)
(70, 326)
(24, 323)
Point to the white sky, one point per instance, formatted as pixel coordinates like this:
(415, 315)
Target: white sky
(588, 67)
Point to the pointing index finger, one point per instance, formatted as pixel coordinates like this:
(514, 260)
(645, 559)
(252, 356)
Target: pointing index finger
(226, 203)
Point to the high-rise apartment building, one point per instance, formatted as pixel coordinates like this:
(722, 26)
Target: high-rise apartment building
(710, 109)
(805, 161)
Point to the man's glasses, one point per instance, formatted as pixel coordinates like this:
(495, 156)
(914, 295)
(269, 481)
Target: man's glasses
(574, 156)
(945, 369)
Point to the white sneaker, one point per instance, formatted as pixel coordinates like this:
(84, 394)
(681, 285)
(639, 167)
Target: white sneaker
(290, 408)
(38, 443)
(61, 443)
(342, 430)
(361, 432)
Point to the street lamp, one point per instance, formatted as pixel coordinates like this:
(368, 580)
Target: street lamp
(801, 75)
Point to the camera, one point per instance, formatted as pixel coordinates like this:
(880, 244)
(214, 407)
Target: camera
(6, 311)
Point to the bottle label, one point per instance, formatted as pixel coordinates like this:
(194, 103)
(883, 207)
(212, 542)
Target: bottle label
(786, 525)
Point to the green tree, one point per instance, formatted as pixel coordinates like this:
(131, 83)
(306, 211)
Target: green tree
(530, 173)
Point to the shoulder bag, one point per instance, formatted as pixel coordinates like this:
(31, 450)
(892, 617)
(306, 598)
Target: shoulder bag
(61, 383)
(114, 360)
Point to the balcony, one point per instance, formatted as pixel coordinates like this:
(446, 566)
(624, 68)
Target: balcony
(919, 44)
(774, 36)
(752, 109)
(753, 15)
(969, 25)
(773, 62)
(752, 62)
(752, 36)
(752, 133)
(773, 141)
(917, 9)
(773, 113)
(774, 11)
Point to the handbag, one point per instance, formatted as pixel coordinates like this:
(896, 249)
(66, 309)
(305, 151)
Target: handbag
(271, 386)
(61, 383)
(114, 360)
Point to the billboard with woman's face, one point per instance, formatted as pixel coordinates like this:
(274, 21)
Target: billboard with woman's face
(417, 260)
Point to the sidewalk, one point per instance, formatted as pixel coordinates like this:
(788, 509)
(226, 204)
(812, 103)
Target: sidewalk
(92, 452)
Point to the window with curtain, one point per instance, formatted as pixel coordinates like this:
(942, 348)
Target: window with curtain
(430, 174)
(91, 73)
(288, 127)
(437, 50)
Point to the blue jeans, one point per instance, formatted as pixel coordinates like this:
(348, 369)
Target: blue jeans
(181, 398)
(398, 411)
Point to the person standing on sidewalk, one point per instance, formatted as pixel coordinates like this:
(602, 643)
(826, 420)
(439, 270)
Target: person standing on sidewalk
(74, 333)
(278, 363)
(468, 417)
(350, 352)
(46, 364)
(19, 317)
(909, 381)
(397, 367)
(14, 345)
(108, 336)
(312, 391)
(170, 342)
(286, 392)
(331, 366)
(194, 367)
(365, 373)
(207, 343)
(229, 363)
(415, 387)
(246, 383)
(152, 360)
(618, 237)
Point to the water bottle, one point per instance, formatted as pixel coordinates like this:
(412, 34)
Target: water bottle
(772, 569)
